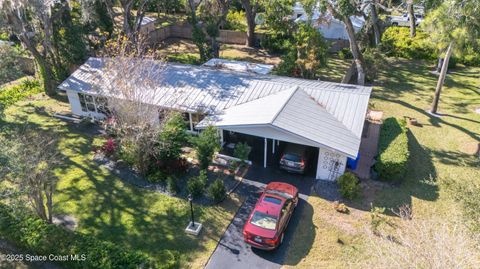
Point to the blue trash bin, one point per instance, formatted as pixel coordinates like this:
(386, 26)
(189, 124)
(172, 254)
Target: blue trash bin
(352, 163)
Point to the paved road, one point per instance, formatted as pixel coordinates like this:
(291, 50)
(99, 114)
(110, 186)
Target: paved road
(232, 252)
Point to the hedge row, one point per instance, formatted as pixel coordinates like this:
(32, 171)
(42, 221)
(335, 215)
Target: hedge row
(33, 234)
(14, 93)
(393, 150)
(396, 41)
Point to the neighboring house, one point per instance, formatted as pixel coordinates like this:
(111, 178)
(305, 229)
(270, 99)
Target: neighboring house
(147, 25)
(270, 111)
(330, 27)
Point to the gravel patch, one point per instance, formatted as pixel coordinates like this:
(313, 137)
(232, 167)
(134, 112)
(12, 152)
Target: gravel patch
(327, 190)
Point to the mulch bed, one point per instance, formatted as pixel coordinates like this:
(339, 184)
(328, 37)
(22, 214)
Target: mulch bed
(130, 176)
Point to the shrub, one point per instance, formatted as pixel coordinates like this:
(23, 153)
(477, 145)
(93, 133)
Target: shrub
(172, 186)
(206, 144)
(276, 43)
(349, 185)
(196, 185)
(217, 191)
(396, 41)
(376, 218)
(109, 147)
(156, 176)
(345, 53)
(306, 56)
(177, 166)
(393, 150)
(288, 65)
(236, 21)
(34, 235)
(10, 67)
(14, 93)
(241, 151)
(172, 137)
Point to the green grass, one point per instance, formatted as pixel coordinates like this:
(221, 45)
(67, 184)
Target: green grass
(442, 178)
(111, 210)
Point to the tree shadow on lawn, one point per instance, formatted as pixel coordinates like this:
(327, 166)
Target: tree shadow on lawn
(108, 208)
(404, 77)
(124, 214)
(419, 181)
(435, 121)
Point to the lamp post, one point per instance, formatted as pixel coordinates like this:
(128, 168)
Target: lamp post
(190, 199)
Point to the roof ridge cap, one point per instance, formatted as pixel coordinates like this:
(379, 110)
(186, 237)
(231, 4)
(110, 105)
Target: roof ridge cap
(286, 102)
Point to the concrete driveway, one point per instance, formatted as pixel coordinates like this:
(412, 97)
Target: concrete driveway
(232, 252)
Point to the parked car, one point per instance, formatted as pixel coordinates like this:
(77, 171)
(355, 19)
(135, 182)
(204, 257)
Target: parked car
(266, 225)
(294, 158)
(404, 20)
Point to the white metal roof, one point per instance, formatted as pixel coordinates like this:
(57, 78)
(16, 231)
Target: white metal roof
(213, 91)
(240, 66)
(292, 116)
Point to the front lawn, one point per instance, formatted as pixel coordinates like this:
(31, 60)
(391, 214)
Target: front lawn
(442, 179)
(106, 207)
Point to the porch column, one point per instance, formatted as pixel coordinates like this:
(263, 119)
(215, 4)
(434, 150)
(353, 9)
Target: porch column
(273, 146)
(265, 153)
(221, 136)
(190, 120)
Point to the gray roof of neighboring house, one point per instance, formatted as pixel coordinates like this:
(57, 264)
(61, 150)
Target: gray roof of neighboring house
(210, 90)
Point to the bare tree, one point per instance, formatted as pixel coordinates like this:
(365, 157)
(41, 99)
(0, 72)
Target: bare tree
(132, 21)
(131, 82)
(29, 159)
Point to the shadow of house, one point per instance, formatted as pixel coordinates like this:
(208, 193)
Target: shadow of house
(305, 228)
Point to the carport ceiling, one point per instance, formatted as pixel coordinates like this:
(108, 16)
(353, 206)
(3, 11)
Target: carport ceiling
(291, 115)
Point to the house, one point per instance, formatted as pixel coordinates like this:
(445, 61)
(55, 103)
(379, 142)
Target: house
(330, 27)
(147, 25)
(267, 111)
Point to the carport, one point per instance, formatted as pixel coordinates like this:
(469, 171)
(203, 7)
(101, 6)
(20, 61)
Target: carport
(290, 116)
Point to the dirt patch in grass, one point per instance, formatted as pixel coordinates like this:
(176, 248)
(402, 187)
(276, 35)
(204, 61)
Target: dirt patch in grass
(174, 48)
(471, 148)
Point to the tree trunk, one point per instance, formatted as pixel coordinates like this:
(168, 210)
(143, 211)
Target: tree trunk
(250, 13)
(441, 79)
(357, 54)
(44, 67)
(127, 7)
(49, 196)
(411, 18)
(376, 27)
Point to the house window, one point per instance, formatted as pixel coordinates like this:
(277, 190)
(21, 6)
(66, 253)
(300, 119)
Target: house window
(101, 104)
(87, 102)
(90, 103)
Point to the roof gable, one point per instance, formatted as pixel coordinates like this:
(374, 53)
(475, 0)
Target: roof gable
(212, 91)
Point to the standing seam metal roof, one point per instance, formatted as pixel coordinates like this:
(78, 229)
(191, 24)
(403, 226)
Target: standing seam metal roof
(212, 91)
